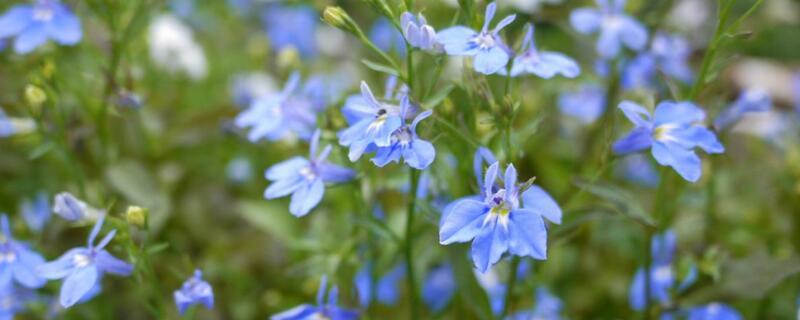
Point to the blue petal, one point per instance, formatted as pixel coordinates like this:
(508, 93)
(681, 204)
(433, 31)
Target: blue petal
(633, 34)
(536, 199)
(608, 44)
(489, 245)
(15, 20)
(107, 263)
(503, 23)
(383, 136)
(560, 64)
(336, 313)
(33, 37)
(457, 40)
(384, 155)
(663, 247)
(420, 155)
(65, 28)
(331, 173)
(24, 269)
(463, 221)
(638, 139)
(306, 198)
(300, 312)
(716, 311)
(491, 60)
(635, 113)
(355, 132)
(585, 20)
(284, 187)
(698, 136)
(683, 112)
(77, 285)
(61, 267)
(636, 292)
(387, 289)
(286, 169)
(527, 234)
(363, 283)
(510, 182)
(684, 161)
(439, 287)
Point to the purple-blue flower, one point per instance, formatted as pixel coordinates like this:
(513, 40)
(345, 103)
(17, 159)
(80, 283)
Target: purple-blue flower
(305, 179)
(371, 122)
(276, 116)
(18, 262)
(750, 100)
(585, 104)
(386, 290)
(36, 211)
(34, 24)
(83, 267)
(439, 288)
(668, 54)
(195, 290)
(661, 275)
(488, 50)
(498, 223)
(384, 35)
(322, 310)
(419, 33)
(616, 28)
(405, 143)
(671, 133)
(292, 27)
(545, 64)
(548, 307)
(71, 208)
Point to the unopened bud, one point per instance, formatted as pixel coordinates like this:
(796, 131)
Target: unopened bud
(136, 216)
(35, 96)
(338, 18)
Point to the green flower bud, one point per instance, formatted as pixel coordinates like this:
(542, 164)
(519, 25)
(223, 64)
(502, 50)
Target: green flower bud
(136, 216)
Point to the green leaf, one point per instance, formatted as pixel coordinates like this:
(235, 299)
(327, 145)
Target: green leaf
(437, 98)
(156, 248)
(380, 67)
(41, 150)
(622, 201)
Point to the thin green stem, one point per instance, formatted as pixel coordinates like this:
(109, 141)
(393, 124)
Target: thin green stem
(410, 279)
(512, 279)
(382, 54)
(410, 68)
(708, 58)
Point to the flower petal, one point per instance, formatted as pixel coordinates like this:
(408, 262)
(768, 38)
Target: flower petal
(489, 245)
(527, 234)
(33, 37)
(65, 28)
(306, 198)
(537, 200)
(420, 155)
(463, 221)
(585, 20)
(491, 60)
(77, 285)
(15, 20)
(457, 40)
(682, 112)
(637, 140)
(633, 34)
(684, 161)
(110, 264)
(286, 169)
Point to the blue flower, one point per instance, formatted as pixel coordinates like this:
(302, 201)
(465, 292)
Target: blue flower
(669, 54)
(83, 267)
(486, 46)
(371, 122)
(18, 262)
(14, 300)
(672, 134)
(247, 88)
(194, 291)
(495, 290)
(322, 310)
(661, 274)
(405, 143)
(419, 33)
(616, 28)
(548, 307)
(751, 100)
(387, 291)
(713, 311)
(34, 24)
(6, 125)
(36, 212)
(276, 116)
(586, 104)
(544, 64)
(305, 179)
(498, 223)
(439, 288)
(73, 209)
(386, 37)
(796, 92)
(292, 27)
(638, 169)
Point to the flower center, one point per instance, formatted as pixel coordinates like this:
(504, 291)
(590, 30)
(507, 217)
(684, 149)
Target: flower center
(81, 260)
(319, 316)
(662, 273)
(380, 119)
(612, 21)
(43, 13)
(308, 173)
(8, 256)
(484, 40)
(500, 207)
(403, 136)
(662, 132)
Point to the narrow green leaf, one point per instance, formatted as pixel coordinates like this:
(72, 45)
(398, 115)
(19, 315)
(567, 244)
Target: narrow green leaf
(380, 67)
(622, 201)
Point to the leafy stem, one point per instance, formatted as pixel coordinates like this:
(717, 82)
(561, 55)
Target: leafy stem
(411, 280)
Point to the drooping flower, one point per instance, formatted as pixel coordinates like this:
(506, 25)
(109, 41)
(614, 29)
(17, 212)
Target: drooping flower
(195, 290)
(292, 27)
(498, 224)
(439, 288)
(405, 143)
(419, 33)
(36, 211)
(586, 104)
(548, 307)
(616, 28)
(387, 291)
(305, 179)
(172, 47)
(545, 64)
(18, 262)
(489, 51)
(322, 310)
(671, 133)
(384, 35)
(276, 116)
(372, 122)
(34, 24)
(750, 100)
(83, 267)
(71, 208)
(668, 54)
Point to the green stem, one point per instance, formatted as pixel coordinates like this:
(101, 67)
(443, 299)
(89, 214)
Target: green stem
(410, 68)
(708, 58)
(512, 279)
(410, 279)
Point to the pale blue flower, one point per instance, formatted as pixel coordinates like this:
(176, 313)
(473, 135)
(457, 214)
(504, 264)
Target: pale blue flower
(668, 54)
(419, 33)
(36, 211)
(371, 122)
(34, 24)
(18, 262)
(711, 311)
(637, 168)
(276, 116)
(83, 267)
(239, 169)
(671, 133)
(750, 100)
(323, 310)
(292, 27)
(495, 289)
(661, 274)
(247, 88)
(498, 223)
(6, 125)
(439, 288)
(194, 290)
(71, 208)
(488, 50)
(796, 92)
(384, 35)
(405, 143)
(616, 28)
(14, 300)
(545, 64)
(305, 179)
(386, 290)
(585, 104)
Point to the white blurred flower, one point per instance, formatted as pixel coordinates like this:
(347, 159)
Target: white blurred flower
(689, 15)
(172, 47)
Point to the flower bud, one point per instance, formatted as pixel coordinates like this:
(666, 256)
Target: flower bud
(338, 18)
(136, 216)
(35, 96)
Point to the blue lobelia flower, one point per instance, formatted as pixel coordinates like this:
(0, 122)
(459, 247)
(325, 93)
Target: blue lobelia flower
(322, 310)
(14, 300)
(671, 133)
(36, 212)
(711, 311)
(384, 35)
(487, 48)
(548, 307)
(292, 27)
(668, 54)
(544, 64)
(276, 116)
(616, 28)
(194, 291)
(387, 291)
(305, 179)
(83, 267)
(750, 100)
(18, 262)
(586, 104)
(498, 223)
(34, 24)
(73, 209)
(419, 33)
(638, 169)
(439, 288)
(371, 123)
(405, 143)
(661, 274)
